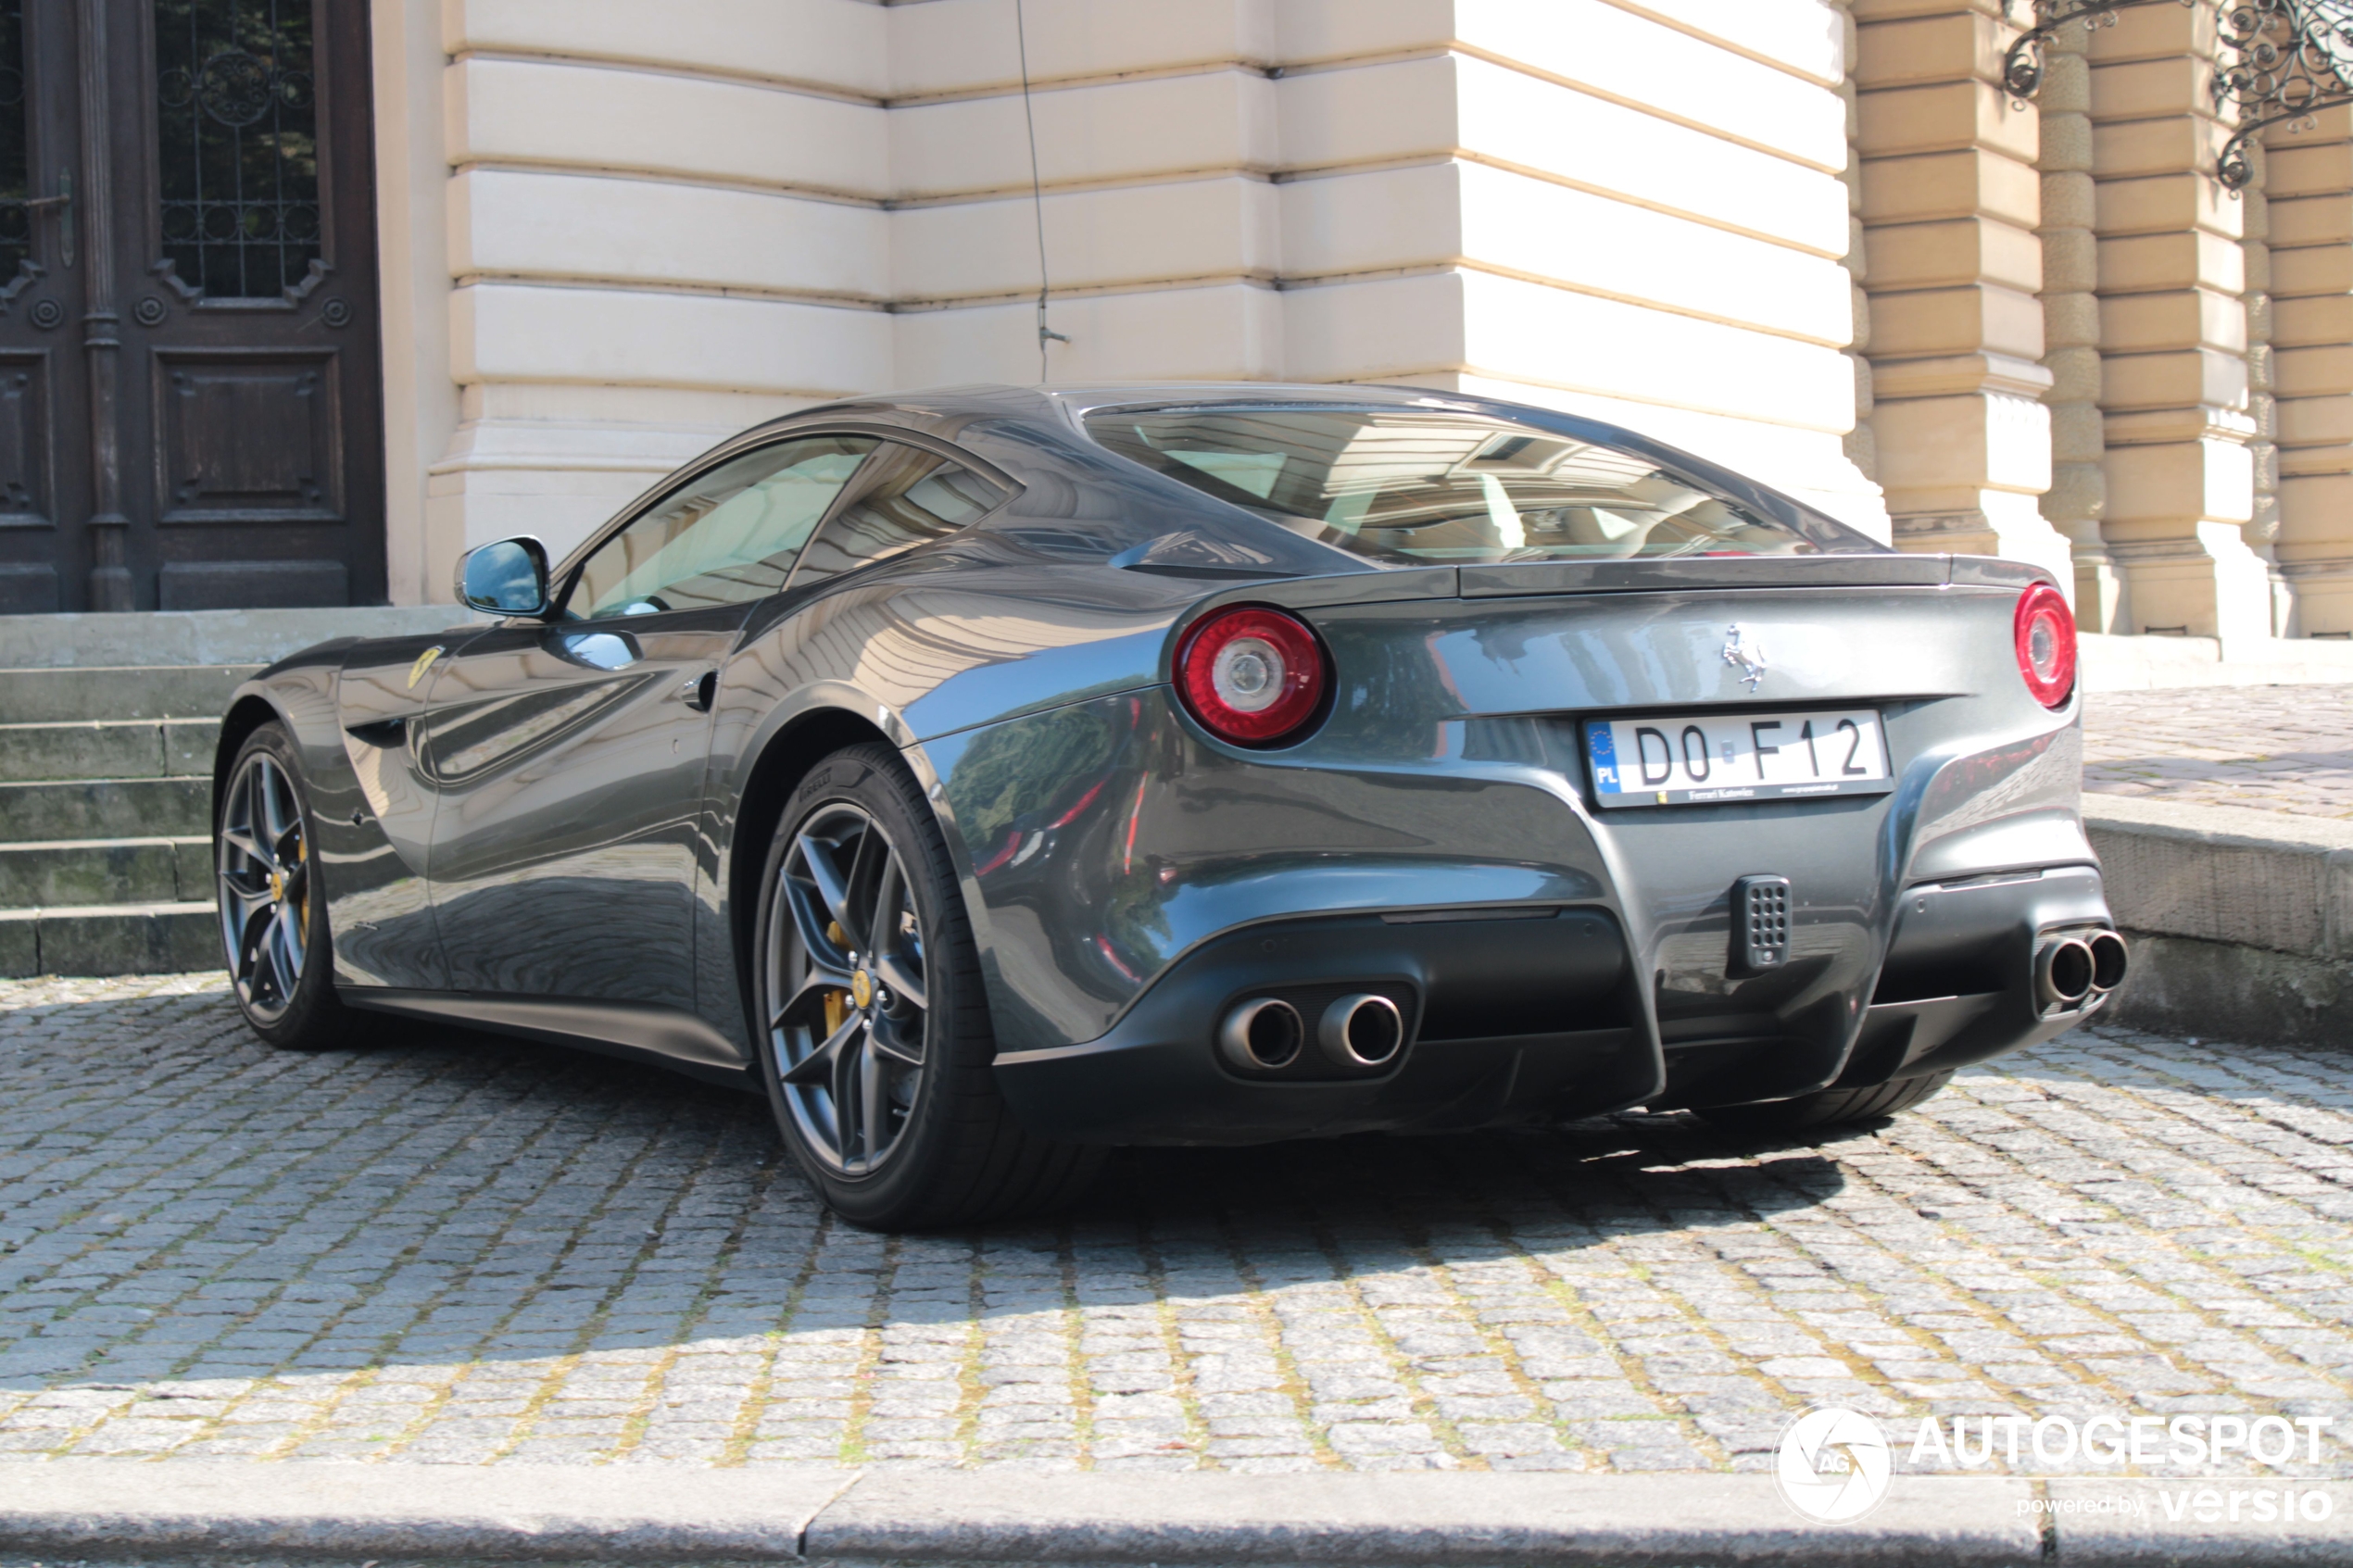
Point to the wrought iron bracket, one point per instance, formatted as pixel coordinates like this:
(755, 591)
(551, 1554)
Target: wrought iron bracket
(2294, 58)
(2022, 67)
(2286, 61)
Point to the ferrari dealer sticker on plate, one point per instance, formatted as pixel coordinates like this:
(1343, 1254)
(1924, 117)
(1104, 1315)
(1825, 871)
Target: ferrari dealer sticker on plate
(1677, 761)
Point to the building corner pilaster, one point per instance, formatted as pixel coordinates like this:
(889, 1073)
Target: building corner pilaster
(2077, 497)
(1860, 444)
(2173, 333)
(2307, 361)
(2262, 402)
(1951, 209)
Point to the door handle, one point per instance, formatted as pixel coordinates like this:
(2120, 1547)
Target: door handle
(699, 691)
(63, 202)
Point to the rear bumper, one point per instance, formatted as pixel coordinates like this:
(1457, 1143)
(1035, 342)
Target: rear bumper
(1531, 1015)
(1507, 1013)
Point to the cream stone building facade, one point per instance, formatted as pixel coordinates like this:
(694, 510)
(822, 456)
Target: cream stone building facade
(1818, 241)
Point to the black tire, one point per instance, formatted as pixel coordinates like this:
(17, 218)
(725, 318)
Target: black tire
(1826, 1108)
(272, 911)
(886, 1097)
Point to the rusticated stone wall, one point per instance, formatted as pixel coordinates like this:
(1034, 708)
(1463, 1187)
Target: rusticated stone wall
(659, 224)
(1951, 204)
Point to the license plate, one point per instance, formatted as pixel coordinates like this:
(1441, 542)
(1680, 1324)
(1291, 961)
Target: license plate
(1677, 761)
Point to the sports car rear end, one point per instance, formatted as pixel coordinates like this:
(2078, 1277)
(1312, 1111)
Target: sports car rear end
(1748, 811)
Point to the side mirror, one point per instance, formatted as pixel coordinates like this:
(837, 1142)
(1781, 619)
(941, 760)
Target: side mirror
(507, 577)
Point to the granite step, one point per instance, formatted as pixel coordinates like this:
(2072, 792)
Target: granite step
(139, 749)
(104, 870)
(58, 809)
(60, 697)
(159, 938)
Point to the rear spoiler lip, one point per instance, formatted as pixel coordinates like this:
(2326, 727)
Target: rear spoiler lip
(1518, 579)
(1684, 574)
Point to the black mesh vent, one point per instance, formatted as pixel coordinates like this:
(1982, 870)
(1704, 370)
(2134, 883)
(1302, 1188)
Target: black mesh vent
(1760, 923)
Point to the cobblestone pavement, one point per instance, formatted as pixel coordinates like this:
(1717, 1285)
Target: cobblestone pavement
(2278, 749)
(460, 1249)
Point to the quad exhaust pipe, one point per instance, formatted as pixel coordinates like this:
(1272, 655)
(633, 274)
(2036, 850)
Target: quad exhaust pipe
(2063, 973)
(1355, 1031)
(2070, 971)
(1361, 1031)
(2109, 962)
(1260, 1034)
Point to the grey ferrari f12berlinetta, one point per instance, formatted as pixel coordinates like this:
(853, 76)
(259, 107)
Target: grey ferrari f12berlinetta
(993, 775)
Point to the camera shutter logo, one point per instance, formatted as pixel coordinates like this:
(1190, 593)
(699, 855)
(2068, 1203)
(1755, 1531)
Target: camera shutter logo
(1833, 1466)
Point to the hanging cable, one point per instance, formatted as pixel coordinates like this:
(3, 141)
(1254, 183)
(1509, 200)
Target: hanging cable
(1046, 334)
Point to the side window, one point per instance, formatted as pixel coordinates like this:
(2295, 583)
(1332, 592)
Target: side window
(909, 498)
(725, 537)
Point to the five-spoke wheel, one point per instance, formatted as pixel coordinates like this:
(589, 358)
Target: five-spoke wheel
(264, 866)
(273, 907)
(877, 1050)
(846, 978)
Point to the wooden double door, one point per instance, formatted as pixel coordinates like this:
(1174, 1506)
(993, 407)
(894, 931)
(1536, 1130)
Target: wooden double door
(191, 408)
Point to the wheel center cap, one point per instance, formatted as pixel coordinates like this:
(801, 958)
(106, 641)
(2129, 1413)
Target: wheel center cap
(277, 889)
(862, 989)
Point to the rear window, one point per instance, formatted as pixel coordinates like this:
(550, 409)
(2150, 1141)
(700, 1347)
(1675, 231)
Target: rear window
(1413, 486)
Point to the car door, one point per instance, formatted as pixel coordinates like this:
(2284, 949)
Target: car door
(568, 753)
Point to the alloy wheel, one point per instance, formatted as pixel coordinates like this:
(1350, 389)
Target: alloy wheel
(264, 863)
(845, 992)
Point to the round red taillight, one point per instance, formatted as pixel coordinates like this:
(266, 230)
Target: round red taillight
(2045, 633)
(1251, 675)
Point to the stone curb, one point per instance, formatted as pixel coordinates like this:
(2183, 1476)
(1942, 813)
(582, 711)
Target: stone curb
(1412, 1517)
(2126, 664)
(127, 1509)
(2242, 919)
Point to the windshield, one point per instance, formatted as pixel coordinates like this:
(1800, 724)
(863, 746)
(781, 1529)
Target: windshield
(1413, 484)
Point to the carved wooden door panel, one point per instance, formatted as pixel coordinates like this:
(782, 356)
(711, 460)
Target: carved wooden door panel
(213, 405)
(43, 457)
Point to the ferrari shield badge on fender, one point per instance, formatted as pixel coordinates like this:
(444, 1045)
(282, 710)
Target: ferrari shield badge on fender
(1742, 653)
(424, 663)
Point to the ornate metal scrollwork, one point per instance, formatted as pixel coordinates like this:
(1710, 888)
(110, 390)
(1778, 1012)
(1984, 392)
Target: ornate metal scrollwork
(2283, 61)
(236, 126)
(2022, 67)
(2295, 59)
(234, 88)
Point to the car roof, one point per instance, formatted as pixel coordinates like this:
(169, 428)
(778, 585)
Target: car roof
(1099, 394)
(1058, 403)
(943, 412)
